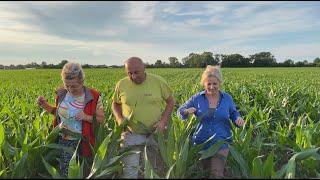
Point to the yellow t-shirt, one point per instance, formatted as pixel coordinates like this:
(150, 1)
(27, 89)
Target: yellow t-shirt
(145, 101)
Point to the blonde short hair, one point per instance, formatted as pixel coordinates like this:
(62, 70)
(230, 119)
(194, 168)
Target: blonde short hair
(211, 71)
(71, 71)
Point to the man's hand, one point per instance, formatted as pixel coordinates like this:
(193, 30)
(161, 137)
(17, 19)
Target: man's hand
(121, 121)
(117, 112)
(162, 125)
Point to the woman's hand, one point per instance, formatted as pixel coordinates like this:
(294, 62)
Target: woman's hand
(42, 102)
(190, 110)
(239, 122)
(82, 116)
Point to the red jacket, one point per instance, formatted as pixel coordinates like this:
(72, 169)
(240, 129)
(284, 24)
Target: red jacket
(90, 100)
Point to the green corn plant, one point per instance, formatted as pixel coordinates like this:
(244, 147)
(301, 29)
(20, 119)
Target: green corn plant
(240, 161)
(106, 163)
(75, 170)
(289, 170)
(149, 172)
(52, 170)
(99, 156)
(281, 110)
(263, 170)
(2, 139)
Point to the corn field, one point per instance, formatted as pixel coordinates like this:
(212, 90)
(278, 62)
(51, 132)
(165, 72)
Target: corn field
(281, 137)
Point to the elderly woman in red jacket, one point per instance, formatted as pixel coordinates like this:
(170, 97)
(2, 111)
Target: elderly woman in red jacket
(75, 107)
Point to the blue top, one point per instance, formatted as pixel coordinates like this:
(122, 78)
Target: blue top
(214, 123)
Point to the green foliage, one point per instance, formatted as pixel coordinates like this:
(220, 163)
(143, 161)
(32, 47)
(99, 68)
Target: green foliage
(280, 139)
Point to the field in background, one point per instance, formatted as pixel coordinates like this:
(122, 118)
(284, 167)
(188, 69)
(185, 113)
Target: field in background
(281, 138)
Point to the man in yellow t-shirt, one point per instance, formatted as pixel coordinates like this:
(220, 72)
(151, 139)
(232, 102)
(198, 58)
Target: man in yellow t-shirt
(144, 100)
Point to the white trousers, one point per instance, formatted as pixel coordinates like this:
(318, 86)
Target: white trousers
(136, 142)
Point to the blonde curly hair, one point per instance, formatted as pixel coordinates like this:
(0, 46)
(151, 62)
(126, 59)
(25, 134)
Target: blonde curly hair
(211, 71)
(71, 71)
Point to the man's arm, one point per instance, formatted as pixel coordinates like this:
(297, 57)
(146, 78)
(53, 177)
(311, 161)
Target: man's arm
(117, 112)
(100, 116)
(162, 124)
(168, 109)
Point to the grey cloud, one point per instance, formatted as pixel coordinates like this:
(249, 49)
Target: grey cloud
(76, 21)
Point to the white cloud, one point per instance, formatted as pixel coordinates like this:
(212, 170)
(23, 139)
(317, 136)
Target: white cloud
(217, 8)
(171, 8)
(196, 22)
(141, 13)
(269, 22)
(51, 4)
(200, 9)
(244, 11)
(214, 26)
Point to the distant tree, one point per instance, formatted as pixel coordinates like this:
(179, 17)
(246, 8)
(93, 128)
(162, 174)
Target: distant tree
(193, 60)
(263, 59)
(86, 66)
(51, 66)
(316, 61)
(158, 63)
(147, 65)
(32, 65)
(299, 64)
(288, 63)
(200, 60)
(20, 66)
(184, 61)
(43, 64)
(173, 62)
(62, 63)
(218, 58)
(235, 60)
(1, 66)
(206, 58)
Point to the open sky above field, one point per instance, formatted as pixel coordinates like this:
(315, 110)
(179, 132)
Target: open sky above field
(108, 32)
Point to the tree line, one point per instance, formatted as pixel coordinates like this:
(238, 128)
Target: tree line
(44, 65)
(194, 60)
(262, 59)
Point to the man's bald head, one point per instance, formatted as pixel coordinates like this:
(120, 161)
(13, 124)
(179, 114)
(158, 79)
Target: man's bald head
(135, 69)
(134, 61)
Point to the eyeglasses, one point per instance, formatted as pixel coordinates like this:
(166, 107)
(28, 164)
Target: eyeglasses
(72, 85)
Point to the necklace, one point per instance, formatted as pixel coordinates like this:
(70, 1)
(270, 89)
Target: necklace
(213, 101)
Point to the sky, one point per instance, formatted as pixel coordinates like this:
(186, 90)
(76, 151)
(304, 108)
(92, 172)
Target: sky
(108, 32)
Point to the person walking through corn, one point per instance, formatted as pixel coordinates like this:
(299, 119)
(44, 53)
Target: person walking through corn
(213, 108)
(145, 101)
(74, 109)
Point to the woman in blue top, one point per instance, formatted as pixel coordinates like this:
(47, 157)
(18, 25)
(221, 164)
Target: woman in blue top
(214, 108)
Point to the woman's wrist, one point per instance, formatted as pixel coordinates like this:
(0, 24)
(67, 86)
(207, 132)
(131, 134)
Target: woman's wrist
(48, 108)
(185, 112)
(88, 118)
